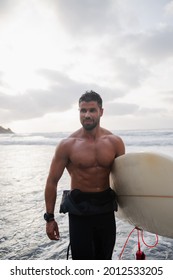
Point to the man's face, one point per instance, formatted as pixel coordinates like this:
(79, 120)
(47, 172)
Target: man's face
(90, 114)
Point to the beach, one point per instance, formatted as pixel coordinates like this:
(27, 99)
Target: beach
(24, 166)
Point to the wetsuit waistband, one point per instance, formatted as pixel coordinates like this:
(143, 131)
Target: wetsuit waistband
(88, 203)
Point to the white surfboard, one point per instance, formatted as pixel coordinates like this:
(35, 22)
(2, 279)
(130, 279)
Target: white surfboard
(144, 185)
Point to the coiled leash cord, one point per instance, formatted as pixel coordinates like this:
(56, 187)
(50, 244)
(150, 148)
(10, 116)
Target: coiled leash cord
(139, 254)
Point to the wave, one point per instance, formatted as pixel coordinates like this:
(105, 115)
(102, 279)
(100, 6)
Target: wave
(147, 137)
(32, 138)
(130, 137)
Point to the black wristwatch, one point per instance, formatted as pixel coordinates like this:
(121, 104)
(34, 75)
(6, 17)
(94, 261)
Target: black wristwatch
(48, 217)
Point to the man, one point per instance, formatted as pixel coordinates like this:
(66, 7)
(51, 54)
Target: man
(88, 155)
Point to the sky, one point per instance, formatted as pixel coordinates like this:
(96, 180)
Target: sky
(53, 51)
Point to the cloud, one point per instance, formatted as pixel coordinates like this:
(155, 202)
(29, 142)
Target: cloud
(167, 96)
(131, 74)
(158, 44)
(87, 17)
(5, 5)
(169, 8)
(63, 84)
(152, 46)
(151, 111)
(116, 48)
(119, 109)
(1, 77)
(61, 95)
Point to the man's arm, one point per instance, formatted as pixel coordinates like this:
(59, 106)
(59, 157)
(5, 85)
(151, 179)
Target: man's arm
(59, 162)
(120, 147)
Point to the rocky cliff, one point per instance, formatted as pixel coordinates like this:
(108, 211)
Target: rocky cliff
(4, 130)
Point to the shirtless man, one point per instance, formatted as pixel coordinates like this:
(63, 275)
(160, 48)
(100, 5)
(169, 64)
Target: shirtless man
(88, 155)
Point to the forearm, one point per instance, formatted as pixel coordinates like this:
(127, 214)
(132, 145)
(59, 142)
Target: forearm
(50, 196)
(50, 200)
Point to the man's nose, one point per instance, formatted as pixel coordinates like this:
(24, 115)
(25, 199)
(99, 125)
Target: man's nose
(87, 114)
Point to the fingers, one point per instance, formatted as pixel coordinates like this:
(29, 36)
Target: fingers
(52, 230)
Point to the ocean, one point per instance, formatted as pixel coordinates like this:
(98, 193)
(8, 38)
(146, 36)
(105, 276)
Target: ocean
(24, 166)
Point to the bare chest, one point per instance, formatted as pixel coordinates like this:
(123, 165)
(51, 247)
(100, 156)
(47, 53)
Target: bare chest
(92, 154)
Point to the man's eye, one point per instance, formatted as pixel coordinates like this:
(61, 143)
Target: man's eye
(82, 111)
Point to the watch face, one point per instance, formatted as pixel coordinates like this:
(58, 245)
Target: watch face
(48, 217)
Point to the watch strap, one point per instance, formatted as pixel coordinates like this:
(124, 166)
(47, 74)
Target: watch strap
(48, 217)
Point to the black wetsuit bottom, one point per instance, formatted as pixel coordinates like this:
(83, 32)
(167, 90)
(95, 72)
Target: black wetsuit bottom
(92, 237)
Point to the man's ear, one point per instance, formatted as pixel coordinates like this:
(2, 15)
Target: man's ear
(101, 112)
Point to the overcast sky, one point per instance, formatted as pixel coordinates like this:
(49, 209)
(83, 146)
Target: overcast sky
(52, 51)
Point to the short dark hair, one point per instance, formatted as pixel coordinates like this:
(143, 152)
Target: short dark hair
(91, 96)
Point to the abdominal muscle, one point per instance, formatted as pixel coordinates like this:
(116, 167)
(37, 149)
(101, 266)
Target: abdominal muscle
(95, 179)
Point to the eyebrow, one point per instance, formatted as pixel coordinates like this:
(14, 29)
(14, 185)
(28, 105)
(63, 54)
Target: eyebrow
(85, 109)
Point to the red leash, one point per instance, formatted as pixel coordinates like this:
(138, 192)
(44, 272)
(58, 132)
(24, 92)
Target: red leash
(139, 254)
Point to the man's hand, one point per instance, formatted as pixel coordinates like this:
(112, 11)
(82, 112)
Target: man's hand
(52, 230)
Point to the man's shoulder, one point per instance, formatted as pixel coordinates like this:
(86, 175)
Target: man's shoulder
(105, 132)
(109, 134)
(75, 134)
(70, 139)
(115, 139)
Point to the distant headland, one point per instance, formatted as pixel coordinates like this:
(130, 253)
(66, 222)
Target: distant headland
(4, 130)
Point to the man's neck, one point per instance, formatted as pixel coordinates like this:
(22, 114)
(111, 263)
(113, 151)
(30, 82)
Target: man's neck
(92, 134)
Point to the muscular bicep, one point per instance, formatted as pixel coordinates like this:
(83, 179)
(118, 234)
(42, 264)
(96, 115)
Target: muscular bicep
(121, 150)
(120, 147)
